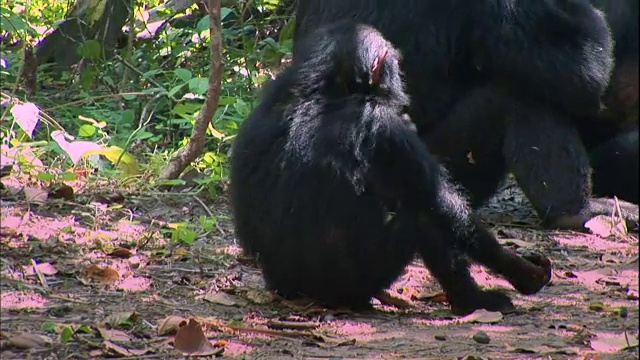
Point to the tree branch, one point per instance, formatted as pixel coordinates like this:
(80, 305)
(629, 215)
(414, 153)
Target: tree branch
(194, 147)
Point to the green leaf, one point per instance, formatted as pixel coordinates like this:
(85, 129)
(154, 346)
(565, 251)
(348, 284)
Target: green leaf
(198, 85)
(129, 96)
(207, 223)
(68, 176)
(66, 334)
(88, 77)
(203, 24)
(85, 329)
(48, 326)
(184, 74)
(86, 130)
(175, 89)
(90, 49)
(128, 116)
(43, 176)
(141, 135)
(12, 22)
(184, 235)
(172, 182)
(127, 164)
(224, 12)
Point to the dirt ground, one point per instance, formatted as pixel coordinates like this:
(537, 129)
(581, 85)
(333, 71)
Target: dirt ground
(82, 280)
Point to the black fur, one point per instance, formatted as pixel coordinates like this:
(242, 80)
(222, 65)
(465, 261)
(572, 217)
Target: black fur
(334, 193)
(612, 136)
(615, 166)
(497, 86)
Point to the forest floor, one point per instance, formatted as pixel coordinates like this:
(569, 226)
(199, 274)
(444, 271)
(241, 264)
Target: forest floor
(83, 280)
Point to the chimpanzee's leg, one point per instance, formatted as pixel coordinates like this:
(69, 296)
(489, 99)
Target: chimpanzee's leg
(551, 165)
(453, 234)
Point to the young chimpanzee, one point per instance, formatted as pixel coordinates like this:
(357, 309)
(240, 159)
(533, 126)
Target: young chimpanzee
(498, 86)
(334, 193)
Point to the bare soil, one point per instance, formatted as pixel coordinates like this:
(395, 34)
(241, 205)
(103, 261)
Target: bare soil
(84, 280)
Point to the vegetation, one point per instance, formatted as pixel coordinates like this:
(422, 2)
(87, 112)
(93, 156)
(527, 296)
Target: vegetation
(109, 251)
(120, 112)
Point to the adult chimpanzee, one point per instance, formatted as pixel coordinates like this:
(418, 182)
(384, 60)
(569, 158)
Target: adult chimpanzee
(615, 166)
(612, 136)
(497, 86)
(334, 192)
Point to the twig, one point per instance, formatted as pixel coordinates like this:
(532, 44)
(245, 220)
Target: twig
(287, 334)
(41, 277)
(208, 211)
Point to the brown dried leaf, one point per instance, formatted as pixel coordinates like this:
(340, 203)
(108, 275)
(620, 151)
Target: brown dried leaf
(114, 335)
(121, 253)
(517, 242)
(29, 341)
(439, 297)
(605, 226)
(44, 268)
(329, 341)
(482, 316)
(190, 339)
(542, 350)
(123, 351)
(35, 195)
(259, 296)
(223, 298)
(106, 275)
(393, 300)
(170, 325)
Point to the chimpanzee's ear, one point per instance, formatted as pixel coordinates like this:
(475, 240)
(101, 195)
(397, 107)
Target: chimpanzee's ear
(377, 67)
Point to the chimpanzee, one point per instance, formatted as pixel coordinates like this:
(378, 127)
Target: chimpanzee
(334, 193)
(612, 136)
(615, 166)
(498, 86)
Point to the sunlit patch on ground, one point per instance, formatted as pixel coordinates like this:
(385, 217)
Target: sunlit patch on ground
(96, 266)
(21, 300)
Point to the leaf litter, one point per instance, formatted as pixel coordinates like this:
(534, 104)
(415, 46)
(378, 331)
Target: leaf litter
(106, 280)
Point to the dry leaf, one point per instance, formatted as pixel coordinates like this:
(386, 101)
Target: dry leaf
(121, 350)
(328, 341)
(605, 226)
(106, 275)
(35, 195)
(26, 116)
(117, 319)
(121, 253)
(44, 268)
(114, 335)
(170, 325)
(542, 350)
(223, 298)
(29, 341)
(439, 297)
(482, 316)
(180, 251)
(612, 344)
(260, 296)
(517, 242)
(190, 339)
(392, 300)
